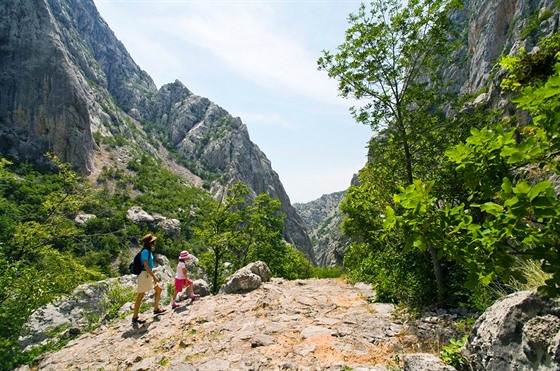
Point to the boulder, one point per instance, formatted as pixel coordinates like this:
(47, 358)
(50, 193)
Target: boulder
(82, 219)
(71, 315)
(137, 215)
(201, 287)
(247, 278)
(424, 362)
(172, 227)
(260, 269)
(519, 332)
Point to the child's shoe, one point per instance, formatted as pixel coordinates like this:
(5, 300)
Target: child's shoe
(194, 296)
(175, 305)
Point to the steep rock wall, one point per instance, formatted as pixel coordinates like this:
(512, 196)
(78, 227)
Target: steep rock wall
(44, 100)
(491, 28)
(206, 134)
(323, 219)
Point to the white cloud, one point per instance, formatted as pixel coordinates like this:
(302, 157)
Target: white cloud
(252, 45)
(249, 38)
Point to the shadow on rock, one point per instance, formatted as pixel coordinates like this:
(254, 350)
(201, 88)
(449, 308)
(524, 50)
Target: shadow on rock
(136, 331)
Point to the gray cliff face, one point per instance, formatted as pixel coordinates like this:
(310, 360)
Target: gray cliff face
(491, 28)
(65, 76)
(323, 219)
(44, 100)
(103, 59)
(61, 69)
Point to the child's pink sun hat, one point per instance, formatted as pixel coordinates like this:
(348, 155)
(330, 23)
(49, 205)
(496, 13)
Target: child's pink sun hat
(183, 255)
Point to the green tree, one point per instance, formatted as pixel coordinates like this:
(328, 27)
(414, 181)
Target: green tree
(512, 210)
(264, 232)
(242, 230)
(221, 231)
(390, 61)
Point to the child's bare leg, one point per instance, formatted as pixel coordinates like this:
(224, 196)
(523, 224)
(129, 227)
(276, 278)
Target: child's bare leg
(191, 292)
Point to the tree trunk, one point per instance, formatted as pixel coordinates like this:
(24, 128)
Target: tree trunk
(215, 278)
(408, 159)
(406, 148)
(437, 274)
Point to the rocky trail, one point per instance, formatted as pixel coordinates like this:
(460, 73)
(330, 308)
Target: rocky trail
(319, 324)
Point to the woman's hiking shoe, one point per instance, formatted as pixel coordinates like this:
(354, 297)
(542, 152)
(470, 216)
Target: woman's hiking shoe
(138, 320)
(159, 311)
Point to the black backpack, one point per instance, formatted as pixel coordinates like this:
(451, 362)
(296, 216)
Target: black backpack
(136, 267)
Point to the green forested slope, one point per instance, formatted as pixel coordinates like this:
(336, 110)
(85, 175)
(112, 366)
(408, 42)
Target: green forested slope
(455, 195)
(44, 253)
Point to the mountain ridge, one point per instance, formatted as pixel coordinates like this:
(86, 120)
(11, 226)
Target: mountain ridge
(71, 88)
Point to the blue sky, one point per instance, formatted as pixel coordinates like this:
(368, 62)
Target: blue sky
(257, 60)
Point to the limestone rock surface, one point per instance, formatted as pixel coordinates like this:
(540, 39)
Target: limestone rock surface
(317, 324)
(519, 332)
(424, 361)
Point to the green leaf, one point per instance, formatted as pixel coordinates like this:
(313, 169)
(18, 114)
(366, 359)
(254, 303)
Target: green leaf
(492, 208)
(507, 186)
(514, 156)
(390, 220)
(487, 279)
(511, 202)
(538, 188)
(522, 188)
(419, 243)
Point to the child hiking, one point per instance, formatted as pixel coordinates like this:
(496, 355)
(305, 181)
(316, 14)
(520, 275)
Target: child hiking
(182, 280)
(147, 280)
